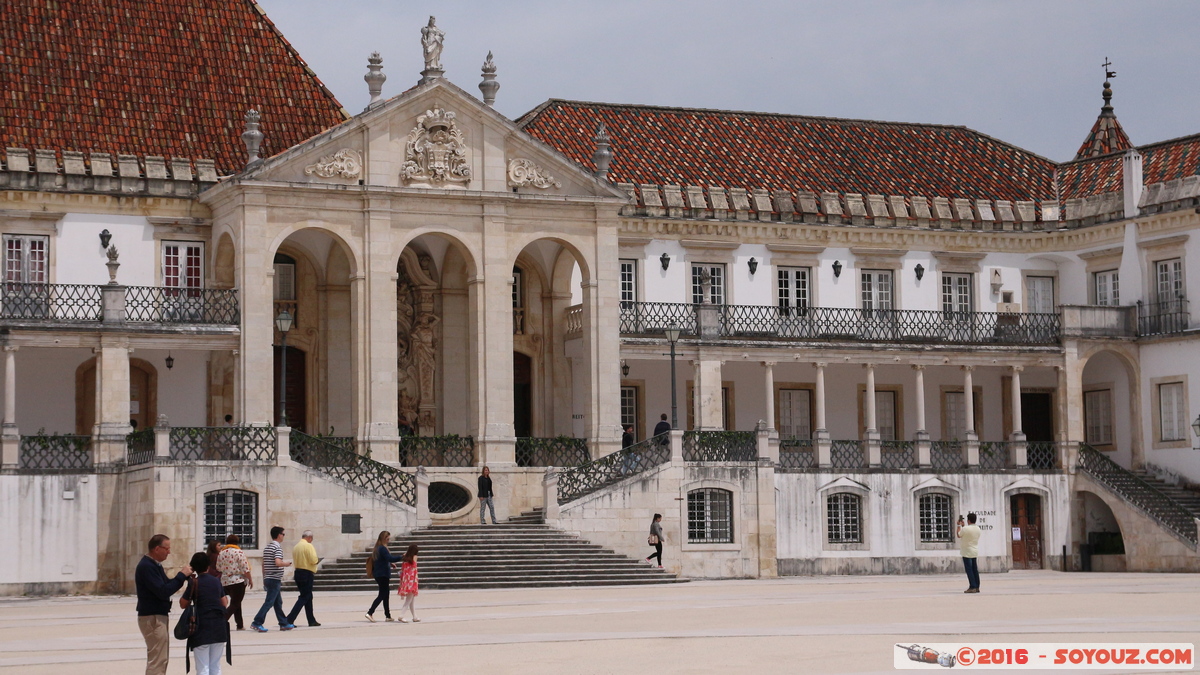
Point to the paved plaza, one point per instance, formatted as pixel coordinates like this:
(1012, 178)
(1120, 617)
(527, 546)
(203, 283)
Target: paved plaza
(793, 625)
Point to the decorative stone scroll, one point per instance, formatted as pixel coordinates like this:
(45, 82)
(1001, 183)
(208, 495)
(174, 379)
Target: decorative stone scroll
(435, 152)
(523, 172)
(344, 163)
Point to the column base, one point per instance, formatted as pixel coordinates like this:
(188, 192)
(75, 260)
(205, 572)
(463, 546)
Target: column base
(924, 449)
(874, 448)
(10, 446)
(824, 447)
(972, 448)
(1020, 449)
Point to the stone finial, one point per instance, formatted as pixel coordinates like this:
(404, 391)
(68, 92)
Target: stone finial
(112, 264)
(252, 137)
(603, 155)
(375, 79)
(489, 86)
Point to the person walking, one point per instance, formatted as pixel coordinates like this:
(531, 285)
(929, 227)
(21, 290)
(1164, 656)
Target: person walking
(408, 583)
(379, 565)
(304, 557)
(656, 539)
(663, 425)
(626, 436)
(969, 546)
(154, 591)
(211, 640)
(486, 496)
(272, 568)
(235, 577)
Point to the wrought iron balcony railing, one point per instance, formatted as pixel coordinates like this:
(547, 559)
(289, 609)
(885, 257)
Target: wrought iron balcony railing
(589, 477)
(345, 465)
(82, 303)
(839, 323)
(227, 444)
(437, 450)
(719, 446)
(947, 455)
(55, 453)
(897, 454)
(67, 303)
(558, 451)
(1163, 318)
(140, 446)
(1162, 508)
(797, 453)
(160, 304)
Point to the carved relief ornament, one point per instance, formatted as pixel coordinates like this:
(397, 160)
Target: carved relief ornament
(344, 163)
(435, 152)
(522, 172)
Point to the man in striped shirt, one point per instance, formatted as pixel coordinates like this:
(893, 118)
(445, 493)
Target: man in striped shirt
(273, 564)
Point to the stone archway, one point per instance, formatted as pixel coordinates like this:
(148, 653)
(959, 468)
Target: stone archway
(143, 395)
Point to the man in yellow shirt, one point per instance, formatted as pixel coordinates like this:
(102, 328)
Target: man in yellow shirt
(304, 558)
(969, 534)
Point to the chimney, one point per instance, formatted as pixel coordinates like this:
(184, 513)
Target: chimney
(603, 155)
(375, 79)
(1131, 173)
(253, 138)
(489, 86)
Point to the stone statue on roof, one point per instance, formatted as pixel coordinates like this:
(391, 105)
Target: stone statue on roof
(431, 44)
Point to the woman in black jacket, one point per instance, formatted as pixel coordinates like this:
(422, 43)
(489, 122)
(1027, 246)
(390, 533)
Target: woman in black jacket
(380, 566)
(210, 641)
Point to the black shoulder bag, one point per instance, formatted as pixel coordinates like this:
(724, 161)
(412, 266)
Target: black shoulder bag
(186, 626)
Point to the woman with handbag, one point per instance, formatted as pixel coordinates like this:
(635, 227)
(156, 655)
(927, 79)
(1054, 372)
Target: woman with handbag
(656, 539)
(379, 565)
(209, 638)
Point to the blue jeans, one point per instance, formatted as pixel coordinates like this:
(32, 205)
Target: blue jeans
(488, 502)
(274, 599)
(972, 567)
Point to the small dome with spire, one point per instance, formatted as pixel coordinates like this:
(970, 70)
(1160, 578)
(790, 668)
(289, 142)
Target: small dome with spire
(1106, 136)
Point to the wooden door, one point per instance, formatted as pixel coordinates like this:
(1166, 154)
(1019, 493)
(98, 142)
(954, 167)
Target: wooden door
(1026, 514)
(297, 387)
(1037, 416)
(139, 399)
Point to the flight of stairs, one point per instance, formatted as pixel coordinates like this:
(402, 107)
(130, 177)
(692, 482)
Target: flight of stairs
(1188, 498)
(519, 553)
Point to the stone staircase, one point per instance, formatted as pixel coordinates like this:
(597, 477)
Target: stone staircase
(522, 552)
(1173, 508)
(1188, 498)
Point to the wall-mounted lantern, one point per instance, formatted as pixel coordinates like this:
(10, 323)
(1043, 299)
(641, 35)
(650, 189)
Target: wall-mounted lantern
(920, 270)
(665, 260)
(753, 265)
(624, 369)
(837, 268)
(105, 237)
(1196, 428)
(170, 361)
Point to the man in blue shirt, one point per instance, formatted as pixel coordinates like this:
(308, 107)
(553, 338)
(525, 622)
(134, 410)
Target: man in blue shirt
(154, 591)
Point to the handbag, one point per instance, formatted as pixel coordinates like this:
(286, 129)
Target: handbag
(186, 626)
(652, 540)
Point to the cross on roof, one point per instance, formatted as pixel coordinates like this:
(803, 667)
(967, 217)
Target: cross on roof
(1108, 74)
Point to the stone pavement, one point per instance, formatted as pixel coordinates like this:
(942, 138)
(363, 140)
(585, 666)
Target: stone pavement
(793, 625)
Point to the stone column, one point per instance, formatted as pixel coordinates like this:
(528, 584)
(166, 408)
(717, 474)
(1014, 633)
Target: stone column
(491, 305)
(972, 440)
(921, 438)
(283, 446)
(706, 390)
(10, 439)
(112, 401)
(769, 383)
(255, 276)
(600, 329)
(822, 444)
(1070, 390)
(767, 442)
(676, 436)
(1019, 447)
(874, 451)
(373, 316)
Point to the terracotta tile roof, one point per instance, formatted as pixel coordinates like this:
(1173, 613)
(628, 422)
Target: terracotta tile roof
(1083, 178)
(1161, 162)
(172, 79)
(1168, 160)
(1106, 136)
(659, 145)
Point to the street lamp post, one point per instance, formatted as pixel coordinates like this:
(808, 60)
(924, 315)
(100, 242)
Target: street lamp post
(283, 323)
(672, 333)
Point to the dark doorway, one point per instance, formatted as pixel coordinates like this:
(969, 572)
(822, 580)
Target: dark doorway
(1037, 416)
(1026, 511)
(522, 395)
(297, 388)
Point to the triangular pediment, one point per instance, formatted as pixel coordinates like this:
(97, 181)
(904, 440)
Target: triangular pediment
(434, 136)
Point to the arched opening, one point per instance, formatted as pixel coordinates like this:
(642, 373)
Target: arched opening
(1110, 408)
(1103, 548)
(143, 395)
(223, 267)
(522, 395)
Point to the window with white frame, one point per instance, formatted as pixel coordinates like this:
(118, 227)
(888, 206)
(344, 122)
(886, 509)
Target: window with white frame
(716, 287)
(885, 415)
(956, 294)
(954, 415)
(710, 516)
(933, 513)
(1040, 295)
(876, 290)
(1172, 412)
(518, 287)
(285, 278)
(795, 413)
(628, 282)
(25, 258)
(843, 518)
(229, 512)
(183, 264)
(793, 290)
(1168, 276)
(1107, 288)
(629, 408)
(1097, 417)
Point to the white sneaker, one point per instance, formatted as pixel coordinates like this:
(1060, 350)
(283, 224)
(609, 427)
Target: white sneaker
(370, 618)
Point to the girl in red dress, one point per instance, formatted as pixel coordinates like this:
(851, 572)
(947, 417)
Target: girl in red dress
(408, 583)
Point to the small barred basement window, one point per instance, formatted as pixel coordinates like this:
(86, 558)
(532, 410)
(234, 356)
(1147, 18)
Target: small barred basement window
(229, 512)
(934, 512)
(844, 518)
(710, 516)
(447, 497)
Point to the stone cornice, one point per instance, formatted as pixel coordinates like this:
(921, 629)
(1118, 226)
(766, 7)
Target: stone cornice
(1111, 252)
(85, 202)
(1163, 242)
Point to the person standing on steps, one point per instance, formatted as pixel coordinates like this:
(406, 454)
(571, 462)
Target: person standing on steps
(663, 425)
(235, 576)
(154, 591)
(969, 545)
(408, 583)
(656, 539)
(486, 496)
(273, 564)
(379, 565)
(304, 557)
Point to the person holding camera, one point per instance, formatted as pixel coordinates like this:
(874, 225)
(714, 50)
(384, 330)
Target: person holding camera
(968, 535)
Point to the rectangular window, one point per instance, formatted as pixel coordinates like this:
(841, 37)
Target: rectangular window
(183, 265)
(954, 415)
(934, 515)
(885, 415)
(518, 288)
(793, 290)
(956, 295)
(876, 290)
(1041, 295)
(229, 512)
(716, 287)
(794, 417)
(1107, 288)
(1172, 412)
(710, 520)
(1168, 276)
(285, 282)
(25, 259)
(1097, 417)
(844, 518)
(628, 282)
(629, 408)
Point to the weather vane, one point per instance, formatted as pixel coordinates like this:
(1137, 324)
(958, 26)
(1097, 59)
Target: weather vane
(1108, 74)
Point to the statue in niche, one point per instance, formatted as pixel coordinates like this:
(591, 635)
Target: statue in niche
(431, 44)
(416, 353)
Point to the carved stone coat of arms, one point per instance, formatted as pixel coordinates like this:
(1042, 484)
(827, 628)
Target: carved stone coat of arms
(435, 152)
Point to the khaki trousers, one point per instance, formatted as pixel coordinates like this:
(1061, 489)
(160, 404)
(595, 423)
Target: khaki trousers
(158, 642)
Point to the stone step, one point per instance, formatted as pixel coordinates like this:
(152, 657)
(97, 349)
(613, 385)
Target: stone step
(531, 583)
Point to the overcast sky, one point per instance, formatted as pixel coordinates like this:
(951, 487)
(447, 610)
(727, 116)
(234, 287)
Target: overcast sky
(1026, 72)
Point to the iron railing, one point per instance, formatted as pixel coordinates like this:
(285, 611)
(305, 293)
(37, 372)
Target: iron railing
(720, 446)
(55, 453)
(452, 450)
(364, 472)
(1042, 455)
(589, 477)
(69, 303)
(947, 455)
(574, 321)
(994, 455)
(140, 447)
(847, 323)
(162, 304)
(558, 451)
(847, 454)
(897, 454)
(226, 444)
(1167, 512)
(796, 453)
(1163, 318)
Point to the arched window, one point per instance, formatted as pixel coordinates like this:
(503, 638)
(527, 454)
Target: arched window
(710, 516)
(229, 512)
(933, 510)
(844, 518)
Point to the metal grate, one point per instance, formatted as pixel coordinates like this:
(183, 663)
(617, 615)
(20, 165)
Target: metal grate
(70, 303)
(934, 514)
(1161, 507)
(652, 318)
(229, 512)
(444, 497)
(795, 453)
(843, 516)
(709, 516)
(451, 450)
(364, 472)
(227, 444)
(993, 455)
(720, 446)
(897, 454)
(559, 451)
(1042, 455)
(946, 455)
(1163, 318)
(847, 455)
(170, 304)
(58, 453)
(589, 477)
(140, 445)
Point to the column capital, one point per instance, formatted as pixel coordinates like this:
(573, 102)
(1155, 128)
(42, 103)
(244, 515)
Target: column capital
(769, 364)
(11, 348)
(1017, 369)
(967, 368)
(918, 366)
(869, 366)
(821, 364)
